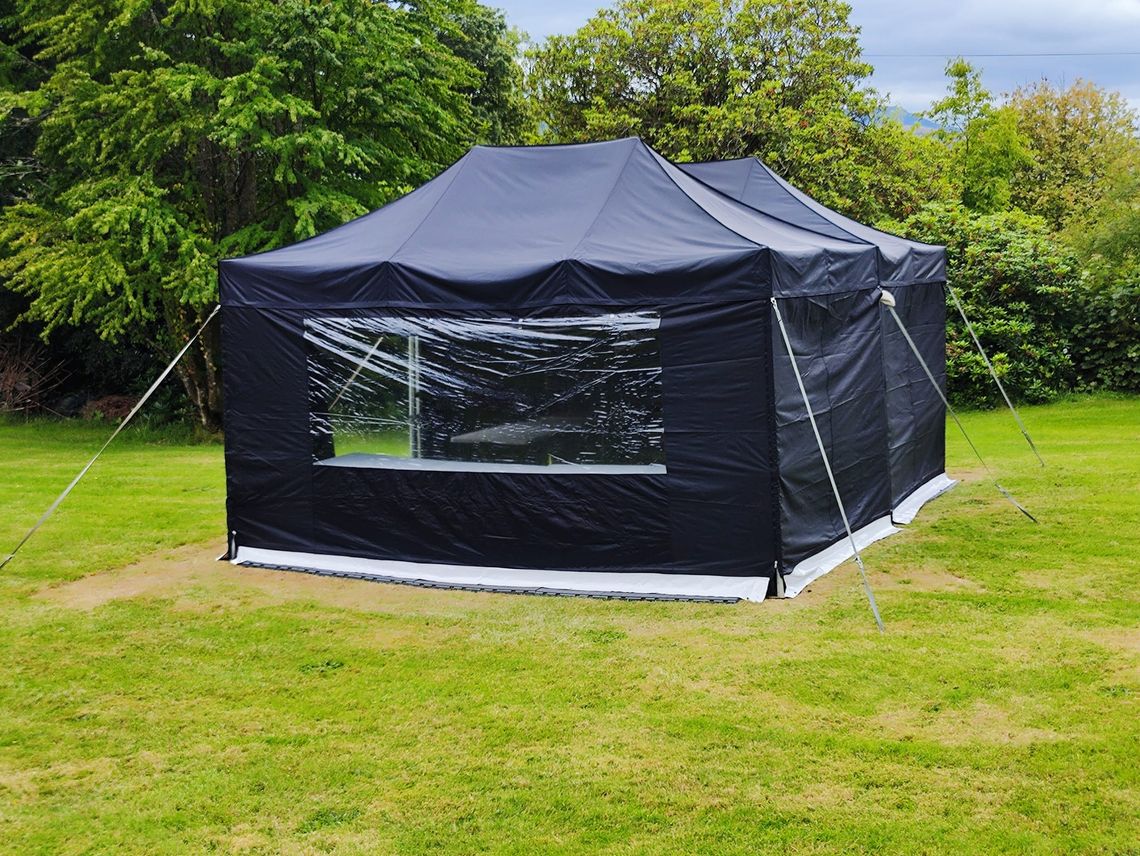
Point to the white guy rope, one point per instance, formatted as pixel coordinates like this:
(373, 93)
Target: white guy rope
(993, 374)
(889, 304)
(59, 499)
(827, 466)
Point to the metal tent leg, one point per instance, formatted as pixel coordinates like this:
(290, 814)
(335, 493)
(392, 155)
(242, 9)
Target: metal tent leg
(827, 467)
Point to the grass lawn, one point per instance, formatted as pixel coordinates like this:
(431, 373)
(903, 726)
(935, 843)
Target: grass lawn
(393, 443)
(183, 705)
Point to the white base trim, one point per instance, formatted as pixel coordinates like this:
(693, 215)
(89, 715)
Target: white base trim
(906, 510)
(683, 585)
(815, 566)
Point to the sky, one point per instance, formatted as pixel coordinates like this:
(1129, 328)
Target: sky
(931, 31)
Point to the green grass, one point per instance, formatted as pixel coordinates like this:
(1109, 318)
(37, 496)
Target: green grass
(215, 709)
(393, 443)
(149, 491)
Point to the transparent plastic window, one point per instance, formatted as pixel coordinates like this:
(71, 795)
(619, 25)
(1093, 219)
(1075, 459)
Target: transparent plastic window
(568, 394)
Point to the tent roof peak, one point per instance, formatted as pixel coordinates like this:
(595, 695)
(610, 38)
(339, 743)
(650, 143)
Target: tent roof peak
(511, 213)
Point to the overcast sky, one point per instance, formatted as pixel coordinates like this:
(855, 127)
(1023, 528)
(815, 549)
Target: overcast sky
(938, 29)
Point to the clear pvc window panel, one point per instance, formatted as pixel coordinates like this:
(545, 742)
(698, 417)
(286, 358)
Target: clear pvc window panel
(550, 395)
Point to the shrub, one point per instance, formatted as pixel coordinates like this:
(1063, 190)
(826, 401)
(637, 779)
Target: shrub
(112, 408)
(1018, 285)
(27, 376)
(1107, 334)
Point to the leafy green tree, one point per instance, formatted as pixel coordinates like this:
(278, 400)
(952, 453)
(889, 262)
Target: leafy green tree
(1021, 289)
(893, 173)
(986, 146)
(1109, 230)
(482, 38)
(1107, 237)
(172, 134)
(703, 79)
(18, 71)
(18, 166)
(1084, 179)
(1085, 146)
(990, 164)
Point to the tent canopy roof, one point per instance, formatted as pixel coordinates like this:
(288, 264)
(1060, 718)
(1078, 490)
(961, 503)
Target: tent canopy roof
(750, 181)
(611, 221)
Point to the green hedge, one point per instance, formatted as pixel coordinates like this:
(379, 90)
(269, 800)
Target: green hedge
(1107, 333)
(1020, 288)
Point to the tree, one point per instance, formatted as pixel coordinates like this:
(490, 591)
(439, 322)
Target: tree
(990, 164)
(1106, 235)
(1110, 228)
(1107, 332)
(702, 79)
(966, 101)
(18, 71)
(482, 38)
(986, 145)
(1084, 140)
(1085, 181)
(892, 173)
(171, 135)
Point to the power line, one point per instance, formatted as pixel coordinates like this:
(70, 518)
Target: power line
(993, 55)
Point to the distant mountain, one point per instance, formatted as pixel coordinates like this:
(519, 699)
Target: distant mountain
(910, 120)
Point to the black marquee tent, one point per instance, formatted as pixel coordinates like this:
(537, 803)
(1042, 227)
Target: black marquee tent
(915, 273)
(559, 369)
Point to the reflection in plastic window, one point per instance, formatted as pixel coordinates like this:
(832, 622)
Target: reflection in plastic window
(579, 394)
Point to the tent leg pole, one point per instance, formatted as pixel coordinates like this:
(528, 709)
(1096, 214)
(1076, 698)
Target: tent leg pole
(138, 406)
(411, 400)
(888, 302)
(414, 397)
(827, 467)
(993, 373)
